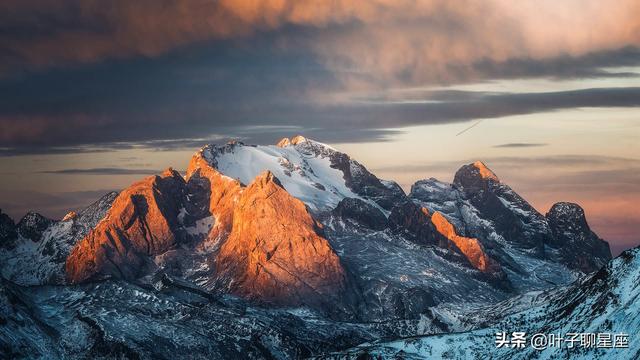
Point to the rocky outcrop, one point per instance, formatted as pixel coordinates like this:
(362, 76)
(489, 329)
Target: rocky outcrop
(141, 222)
(412, 303)
(356, 176)
(578, 246)
(284, 142)
(275, 252)
(364, 183)
(32, 225)
(513, 218)
(361, 212)
(8, 232)
(70, 216)
(212, 193)
(415, 224)
(471, 248)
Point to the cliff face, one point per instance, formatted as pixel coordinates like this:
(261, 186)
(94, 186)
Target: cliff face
(576, 244)
(272, 241)
(140, 223)
(8, 231)
(275, 252)
(216, 193)
(512, 216)
(470, 247)
(268, 248)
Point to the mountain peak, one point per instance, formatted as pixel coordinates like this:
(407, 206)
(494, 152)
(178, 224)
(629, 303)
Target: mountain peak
(284, 142)
(581, 248)
(70, 216)
(298, 139)
(32, 225)
(275, 252)
(474, 175)
(140, 223)
(568, 210)
(484, 171)
(169, 172)
(266, 177)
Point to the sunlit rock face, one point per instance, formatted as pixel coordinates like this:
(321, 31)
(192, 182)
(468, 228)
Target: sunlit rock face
(140, 223)
(263, 243)
(577, 245)
(470, 247)
(414, 223)
(211, 192)
(275, 253)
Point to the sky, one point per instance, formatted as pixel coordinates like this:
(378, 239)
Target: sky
(95, 95)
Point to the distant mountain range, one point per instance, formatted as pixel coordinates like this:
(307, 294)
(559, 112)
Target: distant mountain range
(296, 250)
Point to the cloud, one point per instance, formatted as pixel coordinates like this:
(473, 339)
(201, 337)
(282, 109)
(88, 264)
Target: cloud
(16, 203)
(519, 145)
(116, 76)
(582, 169)
(104, 171)
(187, 100)
(372, 42)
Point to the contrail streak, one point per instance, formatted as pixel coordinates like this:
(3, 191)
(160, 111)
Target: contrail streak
(469, 128)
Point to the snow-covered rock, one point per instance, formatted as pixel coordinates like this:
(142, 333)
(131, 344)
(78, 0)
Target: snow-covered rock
(592, 318)
(40, 260)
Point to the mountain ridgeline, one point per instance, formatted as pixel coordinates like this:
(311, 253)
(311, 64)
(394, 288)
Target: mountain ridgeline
(295, 235)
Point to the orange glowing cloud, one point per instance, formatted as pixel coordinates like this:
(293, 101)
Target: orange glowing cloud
(414, 41)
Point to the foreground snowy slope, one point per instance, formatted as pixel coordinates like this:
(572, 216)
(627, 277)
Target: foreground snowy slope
(605, 307)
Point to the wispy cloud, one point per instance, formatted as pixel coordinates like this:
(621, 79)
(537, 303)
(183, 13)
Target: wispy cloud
(567, 162)
(53, 205)
(104, 171)
(520, 145)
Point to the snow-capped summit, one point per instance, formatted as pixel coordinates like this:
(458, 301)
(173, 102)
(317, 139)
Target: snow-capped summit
(311, 171)
(474, 175)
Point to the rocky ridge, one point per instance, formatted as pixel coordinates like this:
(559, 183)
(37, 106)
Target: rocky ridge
(300, 228)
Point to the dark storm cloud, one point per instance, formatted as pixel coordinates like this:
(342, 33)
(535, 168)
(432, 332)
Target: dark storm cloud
(93, 80)
(208, 94)
(563, 67)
